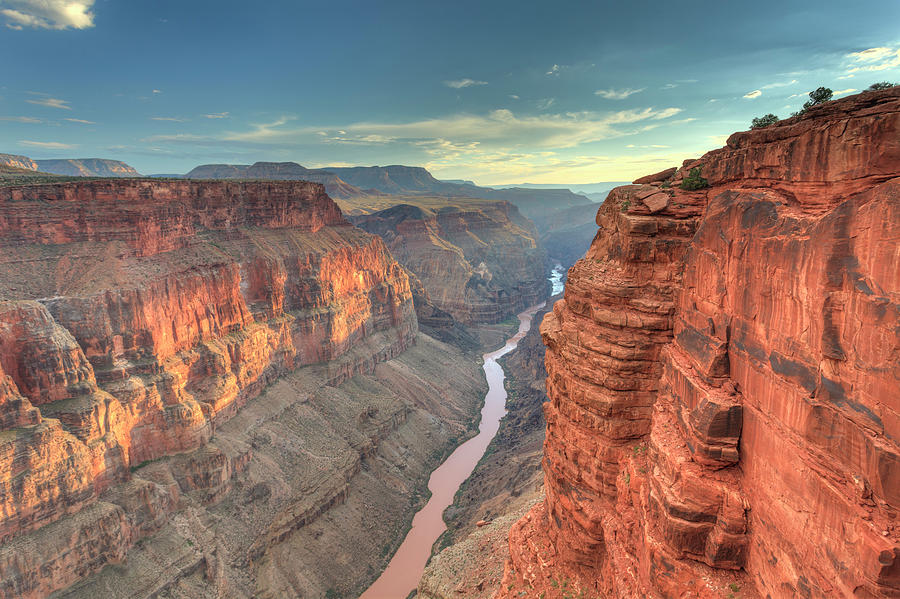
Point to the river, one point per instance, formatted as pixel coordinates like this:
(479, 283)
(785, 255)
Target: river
(405, 569)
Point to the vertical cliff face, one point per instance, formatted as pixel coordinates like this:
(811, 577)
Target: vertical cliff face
(723, 376)
(479, 261)
(137, 318)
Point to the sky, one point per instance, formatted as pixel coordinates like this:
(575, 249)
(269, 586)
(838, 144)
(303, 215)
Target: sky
(498, 92)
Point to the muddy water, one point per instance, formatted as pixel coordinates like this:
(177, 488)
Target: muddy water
(406, 567)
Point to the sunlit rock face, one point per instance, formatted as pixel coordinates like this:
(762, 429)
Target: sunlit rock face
(479, 262)
(137, 317)
(723, 377)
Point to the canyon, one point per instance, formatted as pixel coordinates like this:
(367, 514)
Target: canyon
(478, 261)
(722, 375)
(200, 380)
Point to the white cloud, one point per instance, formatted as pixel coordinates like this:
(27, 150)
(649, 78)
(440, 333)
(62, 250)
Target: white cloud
(80, 121)
(48, 14)
(874, 59)
(754, 94)
(157, 91)
(217, 115)
(51, 103)
(844, 92)
(554, 70)
(546, 103)
(465, 82)
(514, 96)
(617, 94)
(47, 145)
(169, 119)
(781, 84)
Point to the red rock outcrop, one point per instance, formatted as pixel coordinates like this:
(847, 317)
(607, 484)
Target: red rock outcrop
(137, 316)
(723, 376)
(480, 261)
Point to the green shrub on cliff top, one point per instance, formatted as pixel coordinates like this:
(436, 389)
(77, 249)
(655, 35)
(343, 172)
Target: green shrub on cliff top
(761, 122)
(880, 86)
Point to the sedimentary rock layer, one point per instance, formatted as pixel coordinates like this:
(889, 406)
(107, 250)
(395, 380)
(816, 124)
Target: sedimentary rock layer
(723, 374)
(479, 261)
(138, 317)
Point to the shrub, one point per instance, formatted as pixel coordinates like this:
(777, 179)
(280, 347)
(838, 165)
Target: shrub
(761, 122)
(816, 97)
(881, 85)
(694, 181)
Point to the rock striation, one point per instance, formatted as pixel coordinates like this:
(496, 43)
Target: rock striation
(137, 317)
(478, 261)
(722, 373)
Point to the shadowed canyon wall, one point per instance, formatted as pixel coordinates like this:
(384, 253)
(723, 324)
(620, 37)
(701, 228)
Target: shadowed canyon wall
(479, 261)
(723, 377)
(136, 318)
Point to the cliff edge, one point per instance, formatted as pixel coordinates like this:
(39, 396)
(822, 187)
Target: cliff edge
(723, 377)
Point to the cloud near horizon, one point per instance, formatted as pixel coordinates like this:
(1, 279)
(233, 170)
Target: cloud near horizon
(499, 145)
(496, 128)
(48, 14)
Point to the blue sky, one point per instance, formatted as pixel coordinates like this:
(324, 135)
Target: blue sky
(495, 91)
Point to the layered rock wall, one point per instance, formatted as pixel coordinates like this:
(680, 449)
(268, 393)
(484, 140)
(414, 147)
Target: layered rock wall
(137, 318)
(723, 375)
(479, 261)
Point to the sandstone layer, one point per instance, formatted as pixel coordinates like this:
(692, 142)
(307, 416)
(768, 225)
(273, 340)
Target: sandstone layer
(478, 261)
(723, 372)
(137, 318)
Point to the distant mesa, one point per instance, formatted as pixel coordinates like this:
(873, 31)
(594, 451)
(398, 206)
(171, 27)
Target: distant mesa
(72, 167)
(334, 185)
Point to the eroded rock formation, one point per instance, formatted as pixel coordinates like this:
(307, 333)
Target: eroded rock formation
(723, 376)
(478, 261)
(137, 318)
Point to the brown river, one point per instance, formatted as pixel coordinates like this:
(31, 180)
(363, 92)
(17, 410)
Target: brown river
(405, 569)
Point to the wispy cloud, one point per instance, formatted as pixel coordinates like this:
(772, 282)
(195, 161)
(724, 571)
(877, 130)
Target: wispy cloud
(47, 145)
(48, 14)
(21, 119)
(554, 70)
(546, 103)
(157, 91)
(465, 82)
(513, 96)
(874, 59)
(617, 94)
(499, 128)
(753, 95)
(50, 102)
(780, 84)
(217, 115)
(844, 92)
(81, 121)
(170, 119)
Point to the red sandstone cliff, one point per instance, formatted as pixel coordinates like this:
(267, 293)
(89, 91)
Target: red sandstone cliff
(724, 378)
(136, 318)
